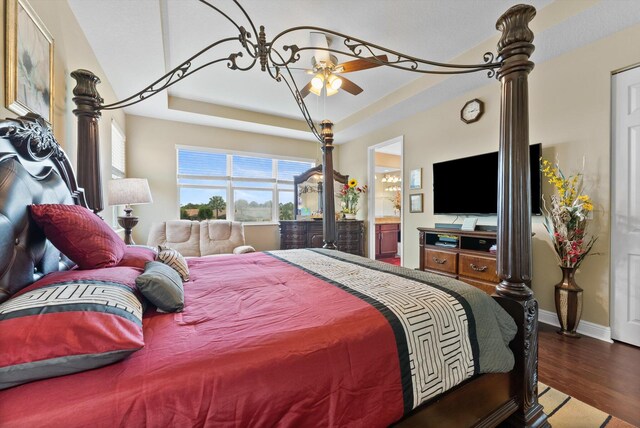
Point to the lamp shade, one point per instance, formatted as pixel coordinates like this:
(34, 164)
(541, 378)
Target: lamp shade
(129, 191)
(317, 81)
(334, 81)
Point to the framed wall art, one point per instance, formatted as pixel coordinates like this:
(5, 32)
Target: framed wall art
(415, 179)
(416, 203)
(28, 62)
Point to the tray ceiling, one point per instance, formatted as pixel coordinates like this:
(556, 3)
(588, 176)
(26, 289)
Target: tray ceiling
(138, 41)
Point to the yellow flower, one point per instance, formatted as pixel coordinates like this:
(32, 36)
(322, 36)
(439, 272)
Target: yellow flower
(353, 183)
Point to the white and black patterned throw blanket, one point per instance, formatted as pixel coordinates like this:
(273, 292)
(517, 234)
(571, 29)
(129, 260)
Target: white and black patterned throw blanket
(446, 331)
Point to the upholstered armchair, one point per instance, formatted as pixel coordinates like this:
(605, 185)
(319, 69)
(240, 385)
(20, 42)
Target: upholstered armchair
(200, 238)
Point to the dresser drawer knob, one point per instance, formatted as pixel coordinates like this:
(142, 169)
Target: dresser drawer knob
(439, 261)
(478, 268)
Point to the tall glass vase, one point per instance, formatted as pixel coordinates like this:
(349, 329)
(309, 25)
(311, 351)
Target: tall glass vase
(568, 303)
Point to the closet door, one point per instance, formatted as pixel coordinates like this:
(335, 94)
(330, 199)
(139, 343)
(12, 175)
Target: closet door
(625, 206)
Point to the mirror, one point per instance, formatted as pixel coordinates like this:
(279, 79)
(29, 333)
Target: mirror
(308, 188)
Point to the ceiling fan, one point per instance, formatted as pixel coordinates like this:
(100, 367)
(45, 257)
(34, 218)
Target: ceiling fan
(326, 69)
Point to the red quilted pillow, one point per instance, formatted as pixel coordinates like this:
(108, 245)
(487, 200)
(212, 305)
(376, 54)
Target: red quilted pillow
(138, 256)
(80, 235)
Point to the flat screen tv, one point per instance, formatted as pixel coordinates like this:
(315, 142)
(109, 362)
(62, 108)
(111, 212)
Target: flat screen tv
(470, 185)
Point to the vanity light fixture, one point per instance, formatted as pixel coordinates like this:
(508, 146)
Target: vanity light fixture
(387, 178)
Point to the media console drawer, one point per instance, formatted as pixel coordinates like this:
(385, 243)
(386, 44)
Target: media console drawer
(444, 261)
(460, 254)
(478, 267)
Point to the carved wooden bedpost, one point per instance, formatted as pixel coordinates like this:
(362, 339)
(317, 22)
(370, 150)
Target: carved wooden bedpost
(514, 208)
(329, 210)
(88, 103)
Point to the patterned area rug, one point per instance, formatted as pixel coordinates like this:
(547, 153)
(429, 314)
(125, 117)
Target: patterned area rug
(565, 411)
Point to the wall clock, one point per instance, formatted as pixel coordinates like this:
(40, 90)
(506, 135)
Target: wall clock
(472, 111)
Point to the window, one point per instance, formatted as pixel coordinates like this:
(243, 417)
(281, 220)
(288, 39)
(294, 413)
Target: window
(118, 163)
(237, 186)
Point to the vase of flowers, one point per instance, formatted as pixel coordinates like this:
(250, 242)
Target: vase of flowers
(349, 197)
(567, 221)
(396, 200)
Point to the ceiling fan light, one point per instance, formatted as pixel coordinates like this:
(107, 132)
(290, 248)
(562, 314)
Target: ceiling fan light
(315, 91)
(335, 82)
(317, 81)
(330, 90)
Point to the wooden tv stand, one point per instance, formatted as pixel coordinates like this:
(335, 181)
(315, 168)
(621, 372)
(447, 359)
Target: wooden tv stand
(467, 259)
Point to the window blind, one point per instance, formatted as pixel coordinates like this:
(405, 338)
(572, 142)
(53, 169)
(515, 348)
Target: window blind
(238, 186)
(118, 152)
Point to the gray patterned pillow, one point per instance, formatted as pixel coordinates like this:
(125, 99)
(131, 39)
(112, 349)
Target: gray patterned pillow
(173, 258)
(162, 286)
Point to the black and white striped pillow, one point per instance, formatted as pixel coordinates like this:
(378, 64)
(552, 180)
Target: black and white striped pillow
(173, 258)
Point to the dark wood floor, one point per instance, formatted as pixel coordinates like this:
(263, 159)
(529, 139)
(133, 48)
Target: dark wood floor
(603, 375)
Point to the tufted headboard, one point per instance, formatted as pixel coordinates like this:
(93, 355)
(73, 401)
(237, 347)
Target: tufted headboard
(33, 170)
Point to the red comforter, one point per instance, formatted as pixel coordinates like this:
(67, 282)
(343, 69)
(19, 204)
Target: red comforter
(260, 343)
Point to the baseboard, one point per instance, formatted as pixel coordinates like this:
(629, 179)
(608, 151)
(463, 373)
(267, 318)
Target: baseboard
(586, 328)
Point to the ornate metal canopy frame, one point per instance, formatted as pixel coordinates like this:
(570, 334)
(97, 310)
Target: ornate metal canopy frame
(511, 66)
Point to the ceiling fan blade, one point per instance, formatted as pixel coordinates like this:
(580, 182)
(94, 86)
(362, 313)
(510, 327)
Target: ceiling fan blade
(319, 40)
(361, 64)
(305, 91)
(349, 86)
(296, 69)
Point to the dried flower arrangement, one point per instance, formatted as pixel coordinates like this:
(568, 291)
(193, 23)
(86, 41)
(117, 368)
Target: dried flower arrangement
(568, 217)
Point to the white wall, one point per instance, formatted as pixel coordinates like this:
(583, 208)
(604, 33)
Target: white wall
(151, 153)
(569, 115)
(71, 52)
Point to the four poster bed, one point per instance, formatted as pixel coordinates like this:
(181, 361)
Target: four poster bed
(295, 337)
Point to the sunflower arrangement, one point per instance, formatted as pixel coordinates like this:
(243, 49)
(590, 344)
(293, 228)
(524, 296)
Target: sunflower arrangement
(350, 195)
(567, 219)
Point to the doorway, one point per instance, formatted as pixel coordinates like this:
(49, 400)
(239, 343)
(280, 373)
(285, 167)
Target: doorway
(625, 206)
(385, 164)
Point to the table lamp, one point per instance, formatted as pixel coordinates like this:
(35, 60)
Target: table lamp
(127, 192)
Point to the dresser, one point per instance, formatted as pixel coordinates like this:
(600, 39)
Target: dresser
(464, 255)
(308, 234)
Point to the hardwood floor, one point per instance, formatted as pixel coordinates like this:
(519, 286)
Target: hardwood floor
(603, 375)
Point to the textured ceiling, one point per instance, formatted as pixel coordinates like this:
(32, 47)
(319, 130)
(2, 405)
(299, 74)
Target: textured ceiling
(138, 41)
